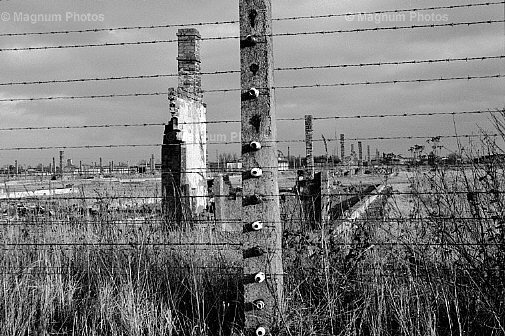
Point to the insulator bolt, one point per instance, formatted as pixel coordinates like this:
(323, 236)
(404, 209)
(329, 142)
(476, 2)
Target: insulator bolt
(261, 331)
(256, 172)
(256, 226)
(255, 145)
(259, 277)
(259, 304)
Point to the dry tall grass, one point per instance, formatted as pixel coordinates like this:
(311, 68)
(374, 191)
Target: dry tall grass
(112, 272)
(430, 262)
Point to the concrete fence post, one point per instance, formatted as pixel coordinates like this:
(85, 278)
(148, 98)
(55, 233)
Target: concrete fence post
(262, 237)
(325, 206)
(309, 157)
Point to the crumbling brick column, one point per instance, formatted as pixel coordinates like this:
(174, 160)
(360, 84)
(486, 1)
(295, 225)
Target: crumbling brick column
(184, 149)
(190, 79)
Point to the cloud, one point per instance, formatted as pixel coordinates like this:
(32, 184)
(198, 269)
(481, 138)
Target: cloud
(343, 48)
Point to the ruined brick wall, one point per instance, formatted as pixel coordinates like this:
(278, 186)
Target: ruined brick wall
(194, 159)
(184, 154)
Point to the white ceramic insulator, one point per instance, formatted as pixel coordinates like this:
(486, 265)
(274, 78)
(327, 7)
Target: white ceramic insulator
(254, 92)
(259, 304)
(259, 277)
(261, 331)
(255, 145)
(256, 226)
(256, 172)
(251, 39)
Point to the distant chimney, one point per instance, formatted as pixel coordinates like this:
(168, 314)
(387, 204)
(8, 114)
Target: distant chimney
(61, 163)
(190, 78)
(360, 152)
(342, 147)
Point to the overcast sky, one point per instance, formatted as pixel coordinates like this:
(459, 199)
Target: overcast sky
(343, 48)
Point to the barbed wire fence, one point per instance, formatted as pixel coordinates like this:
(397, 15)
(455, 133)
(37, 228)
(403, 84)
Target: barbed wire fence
(340, 231)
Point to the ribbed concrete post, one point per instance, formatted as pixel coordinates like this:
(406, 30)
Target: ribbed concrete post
(262, 238)
(325, 198)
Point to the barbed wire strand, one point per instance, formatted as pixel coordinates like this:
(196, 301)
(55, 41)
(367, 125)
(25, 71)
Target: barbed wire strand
(308, 67)
(239, 142)
(339, 194)
(44, 221)
(227, 22)
(361, 116)
(293, 87)
(89, 170)
(322, 32)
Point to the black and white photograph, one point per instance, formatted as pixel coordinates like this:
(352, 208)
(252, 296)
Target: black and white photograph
(252, 167)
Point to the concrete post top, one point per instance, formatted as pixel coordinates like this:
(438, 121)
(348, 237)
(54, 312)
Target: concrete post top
(189, 32)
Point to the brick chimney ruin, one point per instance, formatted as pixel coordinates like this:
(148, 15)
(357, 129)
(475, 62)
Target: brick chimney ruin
(184, 150)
